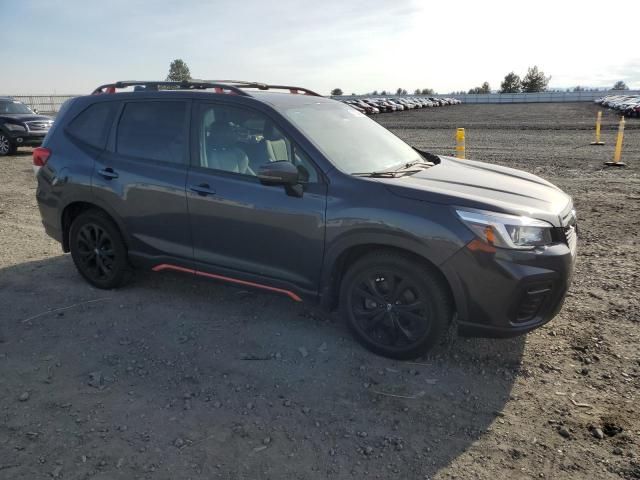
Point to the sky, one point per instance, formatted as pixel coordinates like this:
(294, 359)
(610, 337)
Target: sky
(72, 46)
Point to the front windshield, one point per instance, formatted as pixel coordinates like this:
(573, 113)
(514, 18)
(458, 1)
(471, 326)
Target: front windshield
(12, 107)
(349, 139)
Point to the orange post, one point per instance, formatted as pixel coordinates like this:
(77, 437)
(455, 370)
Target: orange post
(618, 151)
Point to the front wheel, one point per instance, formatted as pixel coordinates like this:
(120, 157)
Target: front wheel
(7, 147)
(98, 250)
(395, 306)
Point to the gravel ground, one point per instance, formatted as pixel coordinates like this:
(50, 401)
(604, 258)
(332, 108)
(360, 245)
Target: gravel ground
(176, 377)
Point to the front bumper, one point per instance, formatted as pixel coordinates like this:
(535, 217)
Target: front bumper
(509, 292)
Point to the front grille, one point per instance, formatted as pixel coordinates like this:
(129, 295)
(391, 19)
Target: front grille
(39, 126)
(531, 303)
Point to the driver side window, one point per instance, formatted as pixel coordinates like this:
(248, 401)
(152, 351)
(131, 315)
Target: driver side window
(239, 141)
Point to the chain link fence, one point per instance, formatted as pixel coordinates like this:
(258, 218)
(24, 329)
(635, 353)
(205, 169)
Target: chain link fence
(45, 104)
(540, 97)
(50, 104)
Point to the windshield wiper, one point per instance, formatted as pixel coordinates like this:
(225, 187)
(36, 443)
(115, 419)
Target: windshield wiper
(404, 170)
(383, 174)
(408, 165)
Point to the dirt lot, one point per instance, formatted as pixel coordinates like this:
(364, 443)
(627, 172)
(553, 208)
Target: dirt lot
(179, 378)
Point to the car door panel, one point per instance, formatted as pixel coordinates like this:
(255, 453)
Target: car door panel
(246, 226)
(151, 201)
(254, 228)
(148, 196)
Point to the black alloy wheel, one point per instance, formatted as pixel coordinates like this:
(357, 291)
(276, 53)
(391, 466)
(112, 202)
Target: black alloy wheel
(95, 250)
(390, 309)
(98, 250)
(395, 306)
(6, 145)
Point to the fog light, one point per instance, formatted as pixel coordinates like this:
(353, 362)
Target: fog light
(531, 303)
(19, 139)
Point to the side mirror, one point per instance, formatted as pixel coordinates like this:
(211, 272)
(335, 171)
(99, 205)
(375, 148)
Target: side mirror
(279, 173)
(35, 110)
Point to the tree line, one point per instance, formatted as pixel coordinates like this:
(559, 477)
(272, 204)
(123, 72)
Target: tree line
(399, 91)
(534, 81)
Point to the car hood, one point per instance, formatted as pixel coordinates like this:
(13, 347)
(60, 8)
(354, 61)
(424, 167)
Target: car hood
(466, 183)
(24, 117)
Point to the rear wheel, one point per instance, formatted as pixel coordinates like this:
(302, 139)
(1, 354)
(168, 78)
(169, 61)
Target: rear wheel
(7, 147)
(98, 250)
(395, 306)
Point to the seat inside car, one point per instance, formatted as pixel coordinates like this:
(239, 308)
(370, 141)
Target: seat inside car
(275, 144)
(272, 147)
(222, 153)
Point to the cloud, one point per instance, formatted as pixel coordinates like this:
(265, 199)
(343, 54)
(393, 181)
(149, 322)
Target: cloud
(604, 76)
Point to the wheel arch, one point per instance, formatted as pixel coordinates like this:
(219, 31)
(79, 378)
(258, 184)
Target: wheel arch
(75, 208)
(338, 260)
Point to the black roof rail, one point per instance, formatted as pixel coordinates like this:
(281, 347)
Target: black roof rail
(234, 86)
(153, 85)
(265, 86)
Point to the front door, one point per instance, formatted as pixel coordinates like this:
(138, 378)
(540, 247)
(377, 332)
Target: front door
(239, 224)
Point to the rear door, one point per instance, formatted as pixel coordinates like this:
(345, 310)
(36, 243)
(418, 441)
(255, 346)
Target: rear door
(142, 177)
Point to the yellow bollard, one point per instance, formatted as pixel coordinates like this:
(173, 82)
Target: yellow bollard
(598, 122)
(460, 144)
(618, 152)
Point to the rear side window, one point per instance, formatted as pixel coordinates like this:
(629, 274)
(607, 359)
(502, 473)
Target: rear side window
(153, 131)
(92, 125)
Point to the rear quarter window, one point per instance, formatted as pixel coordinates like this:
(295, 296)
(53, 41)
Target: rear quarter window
(91, 126)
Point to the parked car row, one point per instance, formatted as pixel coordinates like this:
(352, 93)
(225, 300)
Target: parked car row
(370, 106)
(628, 105)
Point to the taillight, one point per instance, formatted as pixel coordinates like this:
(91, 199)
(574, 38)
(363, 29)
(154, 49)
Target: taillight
(40, 156)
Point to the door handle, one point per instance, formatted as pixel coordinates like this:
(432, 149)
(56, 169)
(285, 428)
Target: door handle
(108, 173)
(203, 189)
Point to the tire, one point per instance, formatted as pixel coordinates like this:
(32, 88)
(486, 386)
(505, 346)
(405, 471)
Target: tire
(7, 147)
(396, 307)
(98, 250)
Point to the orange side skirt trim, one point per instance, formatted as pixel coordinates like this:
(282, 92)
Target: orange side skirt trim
(166, 266)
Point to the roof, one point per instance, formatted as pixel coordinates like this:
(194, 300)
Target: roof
(239, 87)
(273, 95)
(287, 99)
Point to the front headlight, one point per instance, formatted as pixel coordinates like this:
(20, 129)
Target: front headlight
(507, 231)
(14, 127)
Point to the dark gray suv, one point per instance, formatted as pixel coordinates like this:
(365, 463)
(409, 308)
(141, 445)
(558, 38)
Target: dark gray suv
(278, 188)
